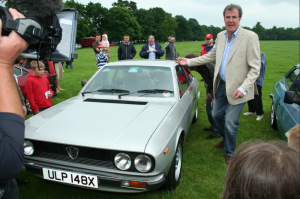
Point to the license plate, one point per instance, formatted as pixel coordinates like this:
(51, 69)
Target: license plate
(71, 178)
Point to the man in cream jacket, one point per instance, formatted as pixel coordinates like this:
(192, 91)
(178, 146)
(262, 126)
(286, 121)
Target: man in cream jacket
(237, 56)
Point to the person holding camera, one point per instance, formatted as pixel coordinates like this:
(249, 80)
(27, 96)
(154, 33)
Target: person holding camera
(171, 48)
(11, 114)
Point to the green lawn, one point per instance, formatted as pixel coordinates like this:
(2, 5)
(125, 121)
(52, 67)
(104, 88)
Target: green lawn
(204, 166)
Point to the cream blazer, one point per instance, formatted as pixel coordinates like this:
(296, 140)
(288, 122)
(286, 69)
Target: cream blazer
(243, 65)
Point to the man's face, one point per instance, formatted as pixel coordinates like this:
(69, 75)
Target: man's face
(98, 38)
(151, 40)
(172, 39)
(209, 41)
(232, 20)
(126, 39)
(39, 73)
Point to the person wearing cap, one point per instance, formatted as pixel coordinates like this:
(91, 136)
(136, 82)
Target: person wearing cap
(208, 45)
(237, 56)
(152, 50)
(101, 56)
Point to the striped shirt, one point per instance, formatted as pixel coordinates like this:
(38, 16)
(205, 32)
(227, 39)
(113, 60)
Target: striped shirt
(101, 59)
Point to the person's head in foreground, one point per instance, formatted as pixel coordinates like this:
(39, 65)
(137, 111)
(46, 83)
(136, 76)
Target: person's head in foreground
(151, 40)
(35, 68)
(232, 16)
(263, 170)
(293, 136)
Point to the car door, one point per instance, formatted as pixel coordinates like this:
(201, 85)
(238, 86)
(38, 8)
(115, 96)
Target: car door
(187, 94)
(288, 114)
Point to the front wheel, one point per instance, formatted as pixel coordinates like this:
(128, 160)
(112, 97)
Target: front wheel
(273, 121)
(174, 174)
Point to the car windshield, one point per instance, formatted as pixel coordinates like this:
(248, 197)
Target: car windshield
(150, 81)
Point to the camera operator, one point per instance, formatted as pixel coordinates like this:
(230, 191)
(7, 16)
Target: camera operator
(11, 113)
(171, 48)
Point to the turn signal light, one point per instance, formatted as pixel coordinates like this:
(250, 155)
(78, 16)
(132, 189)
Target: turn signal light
(166, 150)
(137, 184)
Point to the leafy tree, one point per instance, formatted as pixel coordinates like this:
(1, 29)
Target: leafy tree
(170, 26)
(196, 29)
(147, 23)
(120, 21)
(159, 19)
(259, 30)
(82, 26)
(126, 4)
(183, 31)
(95, 15)
(12, 4)
(246, 27)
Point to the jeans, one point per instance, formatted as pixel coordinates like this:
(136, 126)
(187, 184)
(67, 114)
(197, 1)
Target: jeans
(71, 65)
(213, 127)
(226, 117)
(255, 105)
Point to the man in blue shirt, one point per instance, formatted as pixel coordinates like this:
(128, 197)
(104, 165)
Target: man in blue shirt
(255, 105)
(237, 55)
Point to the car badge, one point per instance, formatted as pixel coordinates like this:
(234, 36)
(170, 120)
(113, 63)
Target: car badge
(72, 152)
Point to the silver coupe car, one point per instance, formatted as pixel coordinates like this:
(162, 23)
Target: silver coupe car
(124, 132)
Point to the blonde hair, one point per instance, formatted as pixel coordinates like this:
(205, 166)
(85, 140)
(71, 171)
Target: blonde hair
(293, 136)
(34, 65)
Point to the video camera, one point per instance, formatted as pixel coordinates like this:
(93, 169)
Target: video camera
(51, 37)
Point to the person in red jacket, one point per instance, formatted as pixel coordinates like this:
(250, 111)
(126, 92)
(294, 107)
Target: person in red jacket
(208, 45)
(37, 89)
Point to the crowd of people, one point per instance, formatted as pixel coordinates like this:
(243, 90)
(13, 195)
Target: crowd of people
(232, 67)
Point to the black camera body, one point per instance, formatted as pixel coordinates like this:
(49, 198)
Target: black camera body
(45, 34)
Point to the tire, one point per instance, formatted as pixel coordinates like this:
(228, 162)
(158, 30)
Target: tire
(27, 105)
(195, 118)
(174, 174)
(273, 121)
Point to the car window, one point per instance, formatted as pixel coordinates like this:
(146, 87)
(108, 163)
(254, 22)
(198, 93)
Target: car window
(150, 81)
(296, 87)
(24, 72)
(291, 78)
(183, 79)
(17, 71)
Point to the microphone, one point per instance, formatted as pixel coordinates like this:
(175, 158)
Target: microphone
(41, 8)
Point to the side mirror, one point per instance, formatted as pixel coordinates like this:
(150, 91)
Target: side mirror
(289, 98)
(83, 82)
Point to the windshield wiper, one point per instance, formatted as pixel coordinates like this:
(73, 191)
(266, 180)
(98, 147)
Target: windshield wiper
(85, 93)
(113, 90)
(154, 91)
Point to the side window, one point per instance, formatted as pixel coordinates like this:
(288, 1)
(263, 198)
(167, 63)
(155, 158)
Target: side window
(17, 71)
(296, 87)
(290, 78)
(183, 79)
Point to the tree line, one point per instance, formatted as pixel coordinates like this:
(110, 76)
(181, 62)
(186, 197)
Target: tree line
(124, 18)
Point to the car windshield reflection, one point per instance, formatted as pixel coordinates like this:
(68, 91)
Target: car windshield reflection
(153, 81)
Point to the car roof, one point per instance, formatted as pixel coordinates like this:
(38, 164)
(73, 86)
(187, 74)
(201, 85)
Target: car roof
(144, 62)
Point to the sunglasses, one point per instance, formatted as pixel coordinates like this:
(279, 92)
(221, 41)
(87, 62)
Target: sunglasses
(208, 39)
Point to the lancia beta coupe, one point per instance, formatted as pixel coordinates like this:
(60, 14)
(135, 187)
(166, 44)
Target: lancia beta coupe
(123, 132)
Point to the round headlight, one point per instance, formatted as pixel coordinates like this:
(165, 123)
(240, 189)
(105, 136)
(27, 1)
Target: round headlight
(142, 163)
(122, 161)
(28, 148)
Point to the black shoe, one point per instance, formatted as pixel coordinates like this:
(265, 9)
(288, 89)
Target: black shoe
(202, 80)
(211, 137)
(21, 181)
(206, 129)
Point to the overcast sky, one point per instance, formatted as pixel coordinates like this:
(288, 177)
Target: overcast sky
(280, 13)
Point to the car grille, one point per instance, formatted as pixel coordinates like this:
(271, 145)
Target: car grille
(87, 156)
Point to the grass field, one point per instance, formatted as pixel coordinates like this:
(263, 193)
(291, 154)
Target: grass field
(204, 166)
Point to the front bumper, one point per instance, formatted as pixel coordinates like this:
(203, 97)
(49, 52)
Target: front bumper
(106, 181)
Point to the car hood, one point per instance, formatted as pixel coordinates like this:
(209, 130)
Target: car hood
(114, 126)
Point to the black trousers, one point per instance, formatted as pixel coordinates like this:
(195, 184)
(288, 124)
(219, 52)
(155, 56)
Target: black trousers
(256, 105)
